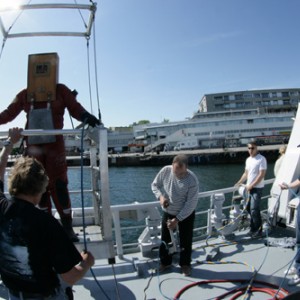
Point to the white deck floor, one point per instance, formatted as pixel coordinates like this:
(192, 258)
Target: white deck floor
(123, 281)
(146, 284)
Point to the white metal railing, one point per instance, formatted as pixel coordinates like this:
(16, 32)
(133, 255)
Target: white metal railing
(138, 211)
(142, 208)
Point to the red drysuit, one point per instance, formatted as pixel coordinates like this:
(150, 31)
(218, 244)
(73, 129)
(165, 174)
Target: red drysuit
(51, 155)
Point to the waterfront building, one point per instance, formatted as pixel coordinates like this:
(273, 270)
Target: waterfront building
(119, 139)
(272, 101)
(226, 120)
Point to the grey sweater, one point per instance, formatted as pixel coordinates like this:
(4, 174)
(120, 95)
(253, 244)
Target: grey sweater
(182, 193)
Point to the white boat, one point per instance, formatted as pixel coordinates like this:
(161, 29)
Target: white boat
(224, 261)
(226, 264)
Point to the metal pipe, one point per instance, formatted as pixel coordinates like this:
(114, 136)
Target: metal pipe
(92, 8)
(35, 132)
(47, 6)
(54, 33)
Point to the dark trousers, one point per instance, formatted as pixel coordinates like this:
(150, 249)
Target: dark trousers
(254, 209)
(185, 239)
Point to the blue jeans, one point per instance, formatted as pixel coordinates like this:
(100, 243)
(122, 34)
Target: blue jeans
(253, 209)
(60, 295)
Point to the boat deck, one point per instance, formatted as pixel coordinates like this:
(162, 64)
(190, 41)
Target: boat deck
(135, 278)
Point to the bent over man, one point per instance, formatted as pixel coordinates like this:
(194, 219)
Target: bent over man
(176, 187)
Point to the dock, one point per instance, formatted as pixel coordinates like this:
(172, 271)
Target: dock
(196, 157)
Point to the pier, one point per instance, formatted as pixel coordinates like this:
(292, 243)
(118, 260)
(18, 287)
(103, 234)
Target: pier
(196, 157)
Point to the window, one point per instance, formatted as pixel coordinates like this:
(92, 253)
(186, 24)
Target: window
(294, 101)
(219, 106)
(238, 97)
(285, 94)
(218, 98)
(274, 95)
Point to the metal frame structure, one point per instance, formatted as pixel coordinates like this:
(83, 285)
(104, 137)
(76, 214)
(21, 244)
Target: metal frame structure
(92, 8)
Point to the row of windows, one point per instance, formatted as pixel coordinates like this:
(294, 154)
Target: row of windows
(257, 104)
(226, 132)
(262, 95)
(230, 122)
(118, 141)
(240, 122)
(225, 113)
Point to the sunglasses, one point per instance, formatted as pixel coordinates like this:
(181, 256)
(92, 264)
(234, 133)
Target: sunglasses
(251, 148)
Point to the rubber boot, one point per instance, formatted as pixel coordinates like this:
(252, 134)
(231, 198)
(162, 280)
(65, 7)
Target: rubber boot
(67, 225)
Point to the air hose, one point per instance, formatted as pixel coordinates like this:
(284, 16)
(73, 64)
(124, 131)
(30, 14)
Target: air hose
(270, 288)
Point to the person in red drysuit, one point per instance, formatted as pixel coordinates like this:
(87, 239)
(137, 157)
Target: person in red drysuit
(52, 155)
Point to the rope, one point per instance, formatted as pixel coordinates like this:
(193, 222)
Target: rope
(96, 74)
(158, 279)
(89, 72)
(79, 11)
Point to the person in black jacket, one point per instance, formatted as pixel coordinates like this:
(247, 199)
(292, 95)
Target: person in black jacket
(34, 248)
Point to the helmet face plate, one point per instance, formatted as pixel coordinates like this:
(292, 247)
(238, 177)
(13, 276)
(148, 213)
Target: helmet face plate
(42, 77)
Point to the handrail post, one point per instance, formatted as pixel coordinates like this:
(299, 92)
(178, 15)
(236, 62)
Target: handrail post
(118, 236)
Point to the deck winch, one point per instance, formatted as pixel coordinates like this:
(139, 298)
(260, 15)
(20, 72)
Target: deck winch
(216, 203)
(225, 226)
(150, 237)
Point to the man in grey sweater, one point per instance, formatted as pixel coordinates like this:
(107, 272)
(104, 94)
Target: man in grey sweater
(177, 188)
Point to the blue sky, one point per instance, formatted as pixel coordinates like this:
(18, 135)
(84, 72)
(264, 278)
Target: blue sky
(157, 58)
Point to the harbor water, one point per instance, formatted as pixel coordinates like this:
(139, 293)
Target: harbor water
(133, 184)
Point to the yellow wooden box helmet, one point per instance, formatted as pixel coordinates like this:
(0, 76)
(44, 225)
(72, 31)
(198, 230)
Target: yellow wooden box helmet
(42, 77)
